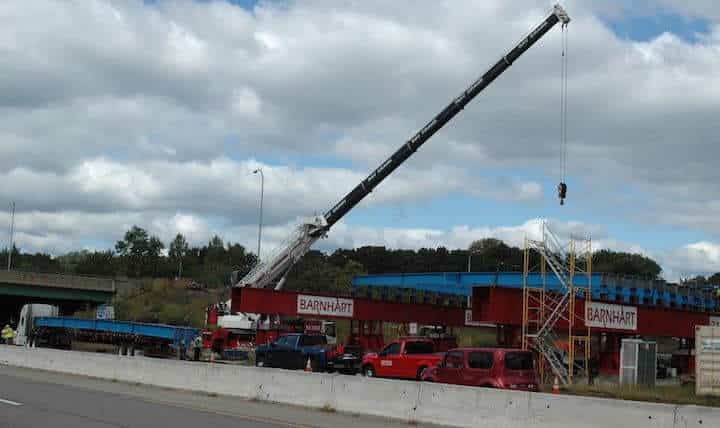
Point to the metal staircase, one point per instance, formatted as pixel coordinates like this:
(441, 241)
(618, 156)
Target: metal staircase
(543, 308)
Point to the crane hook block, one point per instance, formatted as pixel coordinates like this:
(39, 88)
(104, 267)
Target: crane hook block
(562, 192)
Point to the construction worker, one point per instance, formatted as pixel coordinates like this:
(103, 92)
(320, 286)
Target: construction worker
(7, 334)
(197, 347)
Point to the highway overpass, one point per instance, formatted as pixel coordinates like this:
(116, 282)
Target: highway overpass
(67, 291)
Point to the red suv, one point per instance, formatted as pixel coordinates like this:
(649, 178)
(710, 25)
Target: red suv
(488, 367)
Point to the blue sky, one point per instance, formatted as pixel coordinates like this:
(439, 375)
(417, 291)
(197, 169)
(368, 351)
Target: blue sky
(647, 27)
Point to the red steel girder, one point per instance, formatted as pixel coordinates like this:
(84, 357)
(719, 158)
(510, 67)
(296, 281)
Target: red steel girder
(265, 301)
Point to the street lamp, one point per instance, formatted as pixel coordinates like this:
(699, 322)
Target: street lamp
(262, 191)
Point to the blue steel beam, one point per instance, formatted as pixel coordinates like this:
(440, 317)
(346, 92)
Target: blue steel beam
(604, 287)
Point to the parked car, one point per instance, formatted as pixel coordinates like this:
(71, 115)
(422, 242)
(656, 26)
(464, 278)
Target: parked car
(504, 368)
(348, 359)
(405, 359)
(292, 351)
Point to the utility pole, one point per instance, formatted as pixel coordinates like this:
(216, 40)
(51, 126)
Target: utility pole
(12, 232)
(260, 221)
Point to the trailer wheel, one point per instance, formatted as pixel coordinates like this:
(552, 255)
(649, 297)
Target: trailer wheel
(369, 371)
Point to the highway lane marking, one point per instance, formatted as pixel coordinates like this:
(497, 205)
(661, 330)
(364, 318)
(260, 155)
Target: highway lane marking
(11, 403)
(261, 419)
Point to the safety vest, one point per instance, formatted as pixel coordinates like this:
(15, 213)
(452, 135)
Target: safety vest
(8, 333)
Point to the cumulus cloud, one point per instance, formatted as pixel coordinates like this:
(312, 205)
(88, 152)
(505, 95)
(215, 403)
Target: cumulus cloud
(698, 258)
(115, 113)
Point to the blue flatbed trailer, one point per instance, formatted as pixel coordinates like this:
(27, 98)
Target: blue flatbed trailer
(111, 331)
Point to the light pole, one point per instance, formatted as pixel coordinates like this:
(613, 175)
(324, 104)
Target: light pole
(470, 253)
(262, 192)
(12, 232)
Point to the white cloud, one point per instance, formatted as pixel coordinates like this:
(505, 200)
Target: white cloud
(698, 258)
(58, 233)
(114, 113)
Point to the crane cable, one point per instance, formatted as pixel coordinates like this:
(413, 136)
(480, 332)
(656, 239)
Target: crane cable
(562, 187)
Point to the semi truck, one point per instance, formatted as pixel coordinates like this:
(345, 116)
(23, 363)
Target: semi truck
(40, 325)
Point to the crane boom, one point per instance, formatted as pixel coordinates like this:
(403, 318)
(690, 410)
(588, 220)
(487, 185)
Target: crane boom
(274, 269)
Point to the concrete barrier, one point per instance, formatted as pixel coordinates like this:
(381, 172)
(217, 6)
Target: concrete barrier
(294, 387)
(377, 397)
(410, 401)
(472, 407)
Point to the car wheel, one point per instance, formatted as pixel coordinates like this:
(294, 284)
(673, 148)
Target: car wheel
(419, 374)
(369, 371)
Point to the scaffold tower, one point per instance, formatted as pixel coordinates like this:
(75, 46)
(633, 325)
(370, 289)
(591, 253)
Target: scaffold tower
(547, 310)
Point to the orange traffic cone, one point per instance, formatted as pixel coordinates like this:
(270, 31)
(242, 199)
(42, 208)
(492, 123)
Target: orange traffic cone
(556, 386)
(308, 366)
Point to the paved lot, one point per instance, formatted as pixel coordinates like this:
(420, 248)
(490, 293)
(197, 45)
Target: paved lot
(41, 399)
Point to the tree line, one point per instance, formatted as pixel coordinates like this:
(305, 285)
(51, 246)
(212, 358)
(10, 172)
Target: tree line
(320, 271)
(158, 297)
(142, 255)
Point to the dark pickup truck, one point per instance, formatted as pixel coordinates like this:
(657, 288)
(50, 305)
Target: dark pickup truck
(292, 351)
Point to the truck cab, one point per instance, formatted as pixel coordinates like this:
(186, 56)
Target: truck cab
(26, 324)
(405, 359)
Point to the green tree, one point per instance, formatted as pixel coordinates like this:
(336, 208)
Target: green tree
(178, 250)
(342, 283)
(216, 258)
(140, 252)
(625, 264)
(490, 254)
(240, 259)
(486, 244)
(100, 263)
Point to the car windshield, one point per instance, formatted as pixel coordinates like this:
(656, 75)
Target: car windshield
(518, 361)
(419, 348)
(312, 340)
(287, 340)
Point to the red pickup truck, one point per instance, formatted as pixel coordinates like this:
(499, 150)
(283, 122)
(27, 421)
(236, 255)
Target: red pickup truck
(406, 359)
(488, 367)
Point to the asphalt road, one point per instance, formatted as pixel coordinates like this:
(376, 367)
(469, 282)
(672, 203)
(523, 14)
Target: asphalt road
(42, 399)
